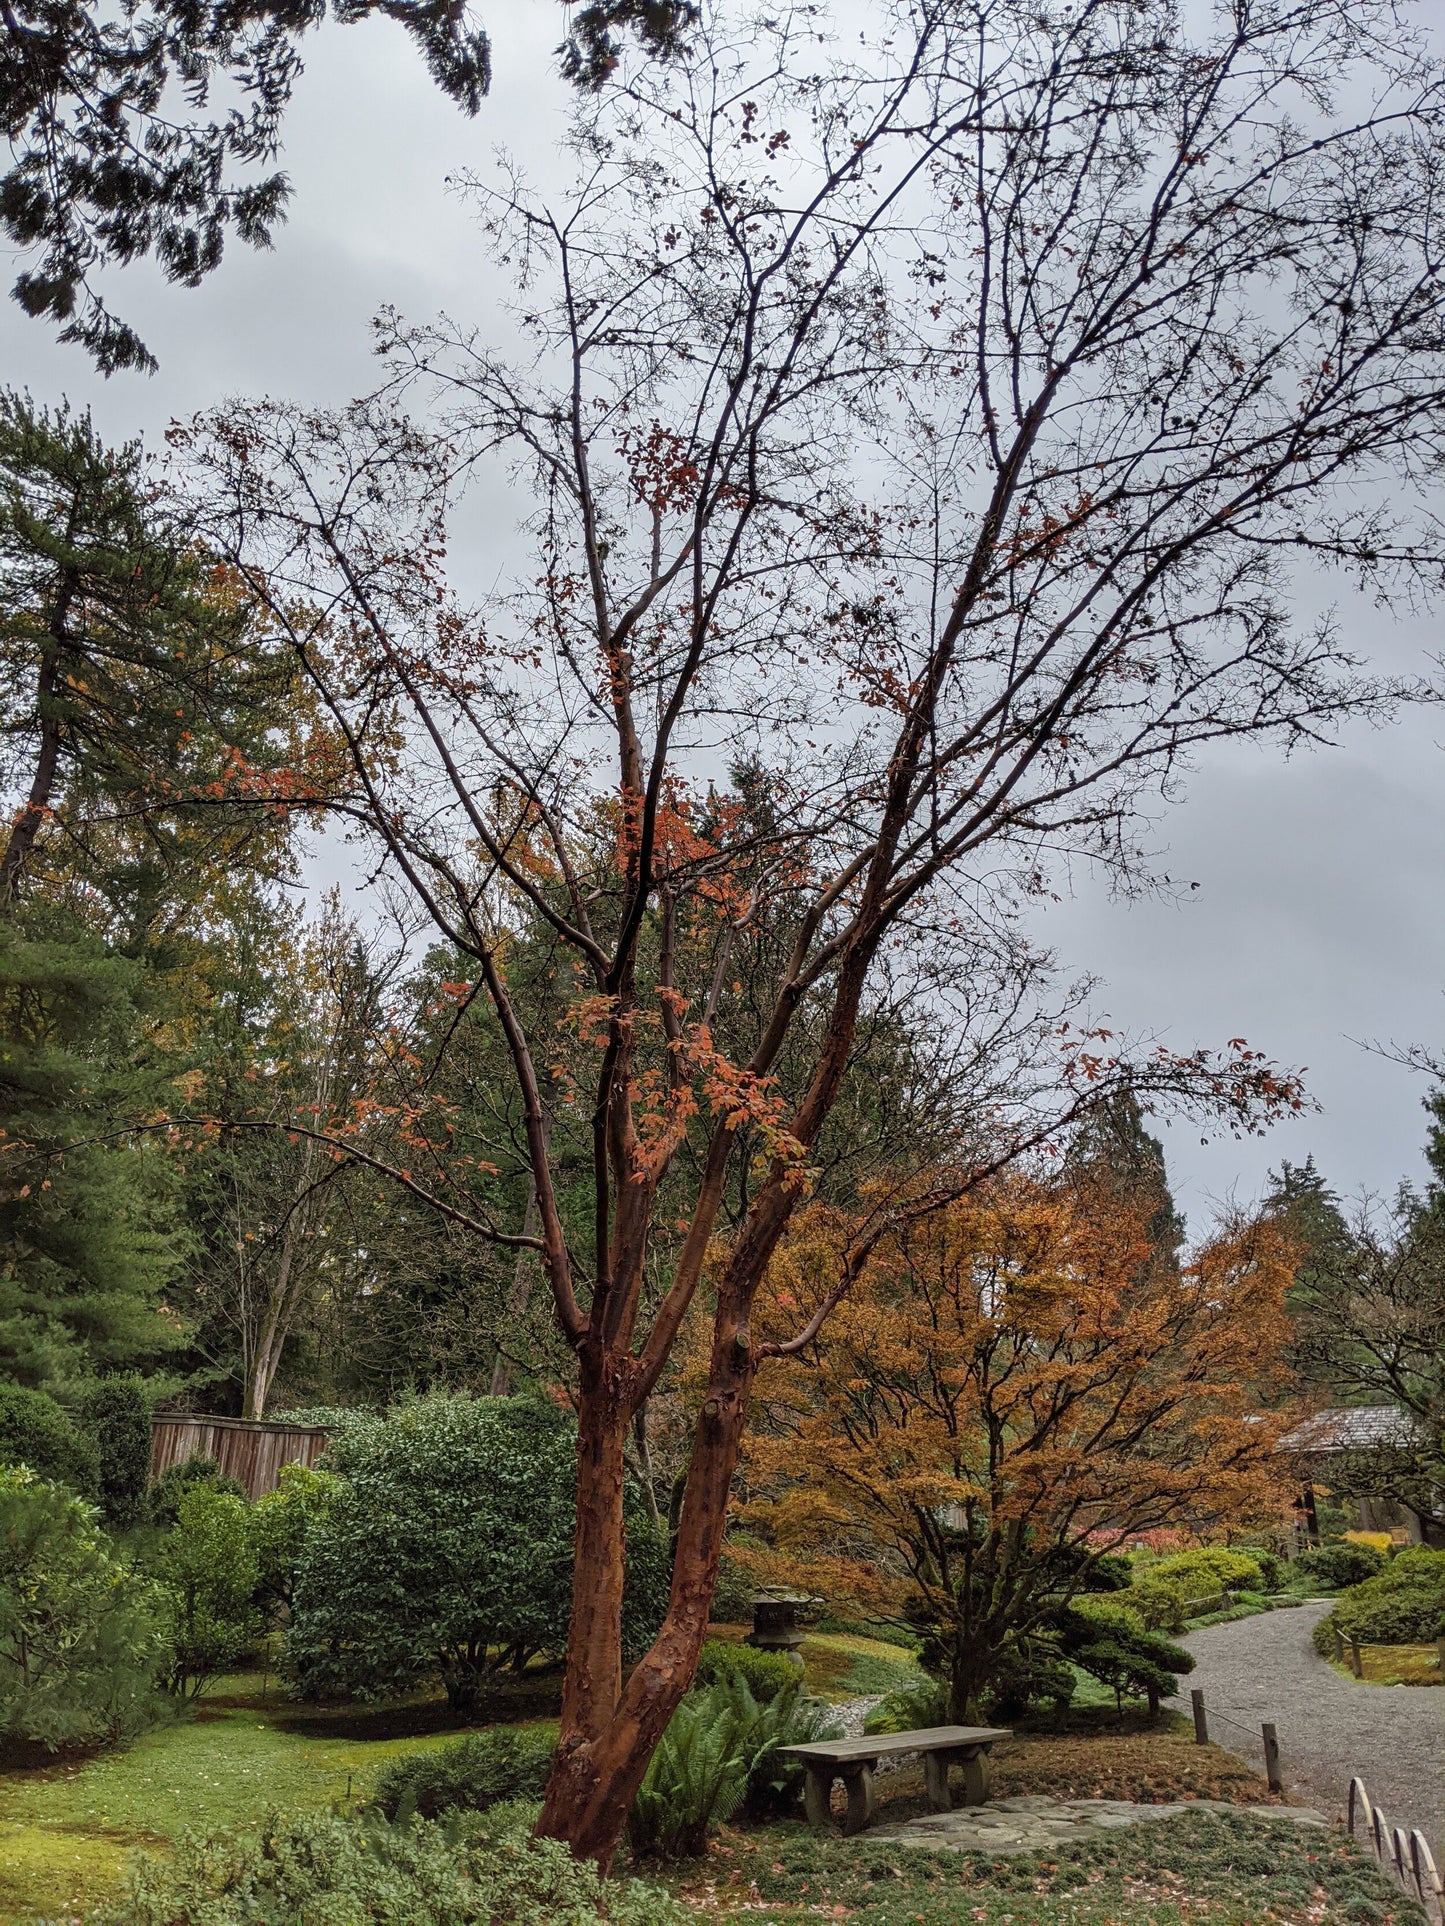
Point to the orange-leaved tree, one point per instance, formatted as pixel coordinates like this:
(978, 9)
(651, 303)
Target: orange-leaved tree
(1013, 1386)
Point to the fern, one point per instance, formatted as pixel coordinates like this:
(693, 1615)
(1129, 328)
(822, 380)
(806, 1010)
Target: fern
(720, 1749)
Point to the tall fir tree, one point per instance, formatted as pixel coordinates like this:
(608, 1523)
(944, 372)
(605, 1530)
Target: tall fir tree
(137, 698)
(1122, 1155)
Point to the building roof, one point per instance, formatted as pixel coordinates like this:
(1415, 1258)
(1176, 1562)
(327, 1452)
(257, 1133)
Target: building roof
(1356, 1427)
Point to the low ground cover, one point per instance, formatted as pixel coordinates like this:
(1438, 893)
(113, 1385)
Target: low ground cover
(1222, 1870)
(845, 1665)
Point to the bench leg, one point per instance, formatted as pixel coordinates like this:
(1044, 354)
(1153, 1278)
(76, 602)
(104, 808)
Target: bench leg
(977, 1779)
(935, 1779)
(817, 1797)
(862, 1800)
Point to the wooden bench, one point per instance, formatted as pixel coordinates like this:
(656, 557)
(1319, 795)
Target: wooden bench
(855, 1760)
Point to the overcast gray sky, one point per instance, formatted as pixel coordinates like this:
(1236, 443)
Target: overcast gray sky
(1319, 916)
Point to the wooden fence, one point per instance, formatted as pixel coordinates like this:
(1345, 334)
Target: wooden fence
(1405, 1857)
(247, 1449)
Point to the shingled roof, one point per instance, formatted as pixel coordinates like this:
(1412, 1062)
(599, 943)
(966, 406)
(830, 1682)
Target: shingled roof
(1352, 1428)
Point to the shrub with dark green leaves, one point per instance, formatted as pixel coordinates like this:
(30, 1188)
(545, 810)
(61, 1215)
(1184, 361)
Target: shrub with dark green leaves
(446, 1548)
(320, 1868)
(36, 1431)
(207, 1572)
(281, 1522)
(732, 1598)
(469, 1775)
(1341, 1564)
(170, 1488)
(115, 1416)
(1105, 1639)
(1109, 1572)
(767, 1673)
(80, 1634)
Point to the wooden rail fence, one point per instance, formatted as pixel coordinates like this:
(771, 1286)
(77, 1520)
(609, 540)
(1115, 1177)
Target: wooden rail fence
(1268, 1736)
(1405, 1856)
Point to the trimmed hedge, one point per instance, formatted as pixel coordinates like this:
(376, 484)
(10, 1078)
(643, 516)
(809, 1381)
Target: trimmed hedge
(1403, 1605)
(767, 1673)
(481, 1770)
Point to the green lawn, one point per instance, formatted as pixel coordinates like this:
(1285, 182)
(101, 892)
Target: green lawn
(66, 1832)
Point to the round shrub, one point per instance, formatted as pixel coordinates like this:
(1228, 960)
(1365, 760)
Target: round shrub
(481, 1770)
(1159, 1604)
(171, 1487)
(1403, 1616)
(1341, 1564)
(1402, 1605)
(1209, 1568)
(1418, 1566)
(35, 1431)
(767, 1673)
(446, 1548)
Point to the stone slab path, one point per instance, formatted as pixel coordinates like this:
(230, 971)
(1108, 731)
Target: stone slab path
(1034, 1823)
(1330, 1728)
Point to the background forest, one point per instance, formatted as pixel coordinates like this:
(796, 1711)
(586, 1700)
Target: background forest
(180, 1012)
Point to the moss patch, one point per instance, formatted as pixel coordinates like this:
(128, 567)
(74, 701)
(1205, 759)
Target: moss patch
(1395, 1665)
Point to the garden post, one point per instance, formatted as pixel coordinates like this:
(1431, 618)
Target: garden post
(1356, 1662)
(1201, 1722)
(1271, 1758)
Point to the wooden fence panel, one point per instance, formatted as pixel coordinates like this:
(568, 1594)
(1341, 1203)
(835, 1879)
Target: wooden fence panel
(247, 1449)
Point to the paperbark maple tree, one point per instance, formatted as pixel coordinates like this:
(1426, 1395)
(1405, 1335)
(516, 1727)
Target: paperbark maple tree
(1011, 1386)
(911, 449)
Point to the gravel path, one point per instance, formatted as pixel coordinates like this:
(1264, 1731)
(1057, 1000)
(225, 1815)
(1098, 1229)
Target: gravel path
(1330, 1728)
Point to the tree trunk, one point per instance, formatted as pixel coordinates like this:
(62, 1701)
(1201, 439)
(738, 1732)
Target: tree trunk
(26, 826)
(274, 1327)
(609, 1733)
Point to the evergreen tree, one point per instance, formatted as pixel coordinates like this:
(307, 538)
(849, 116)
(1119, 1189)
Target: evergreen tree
(137, 700)
(1116, 1149)
(1300, 1195)
(102, 173)
(88, 1231)
(136, 696)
